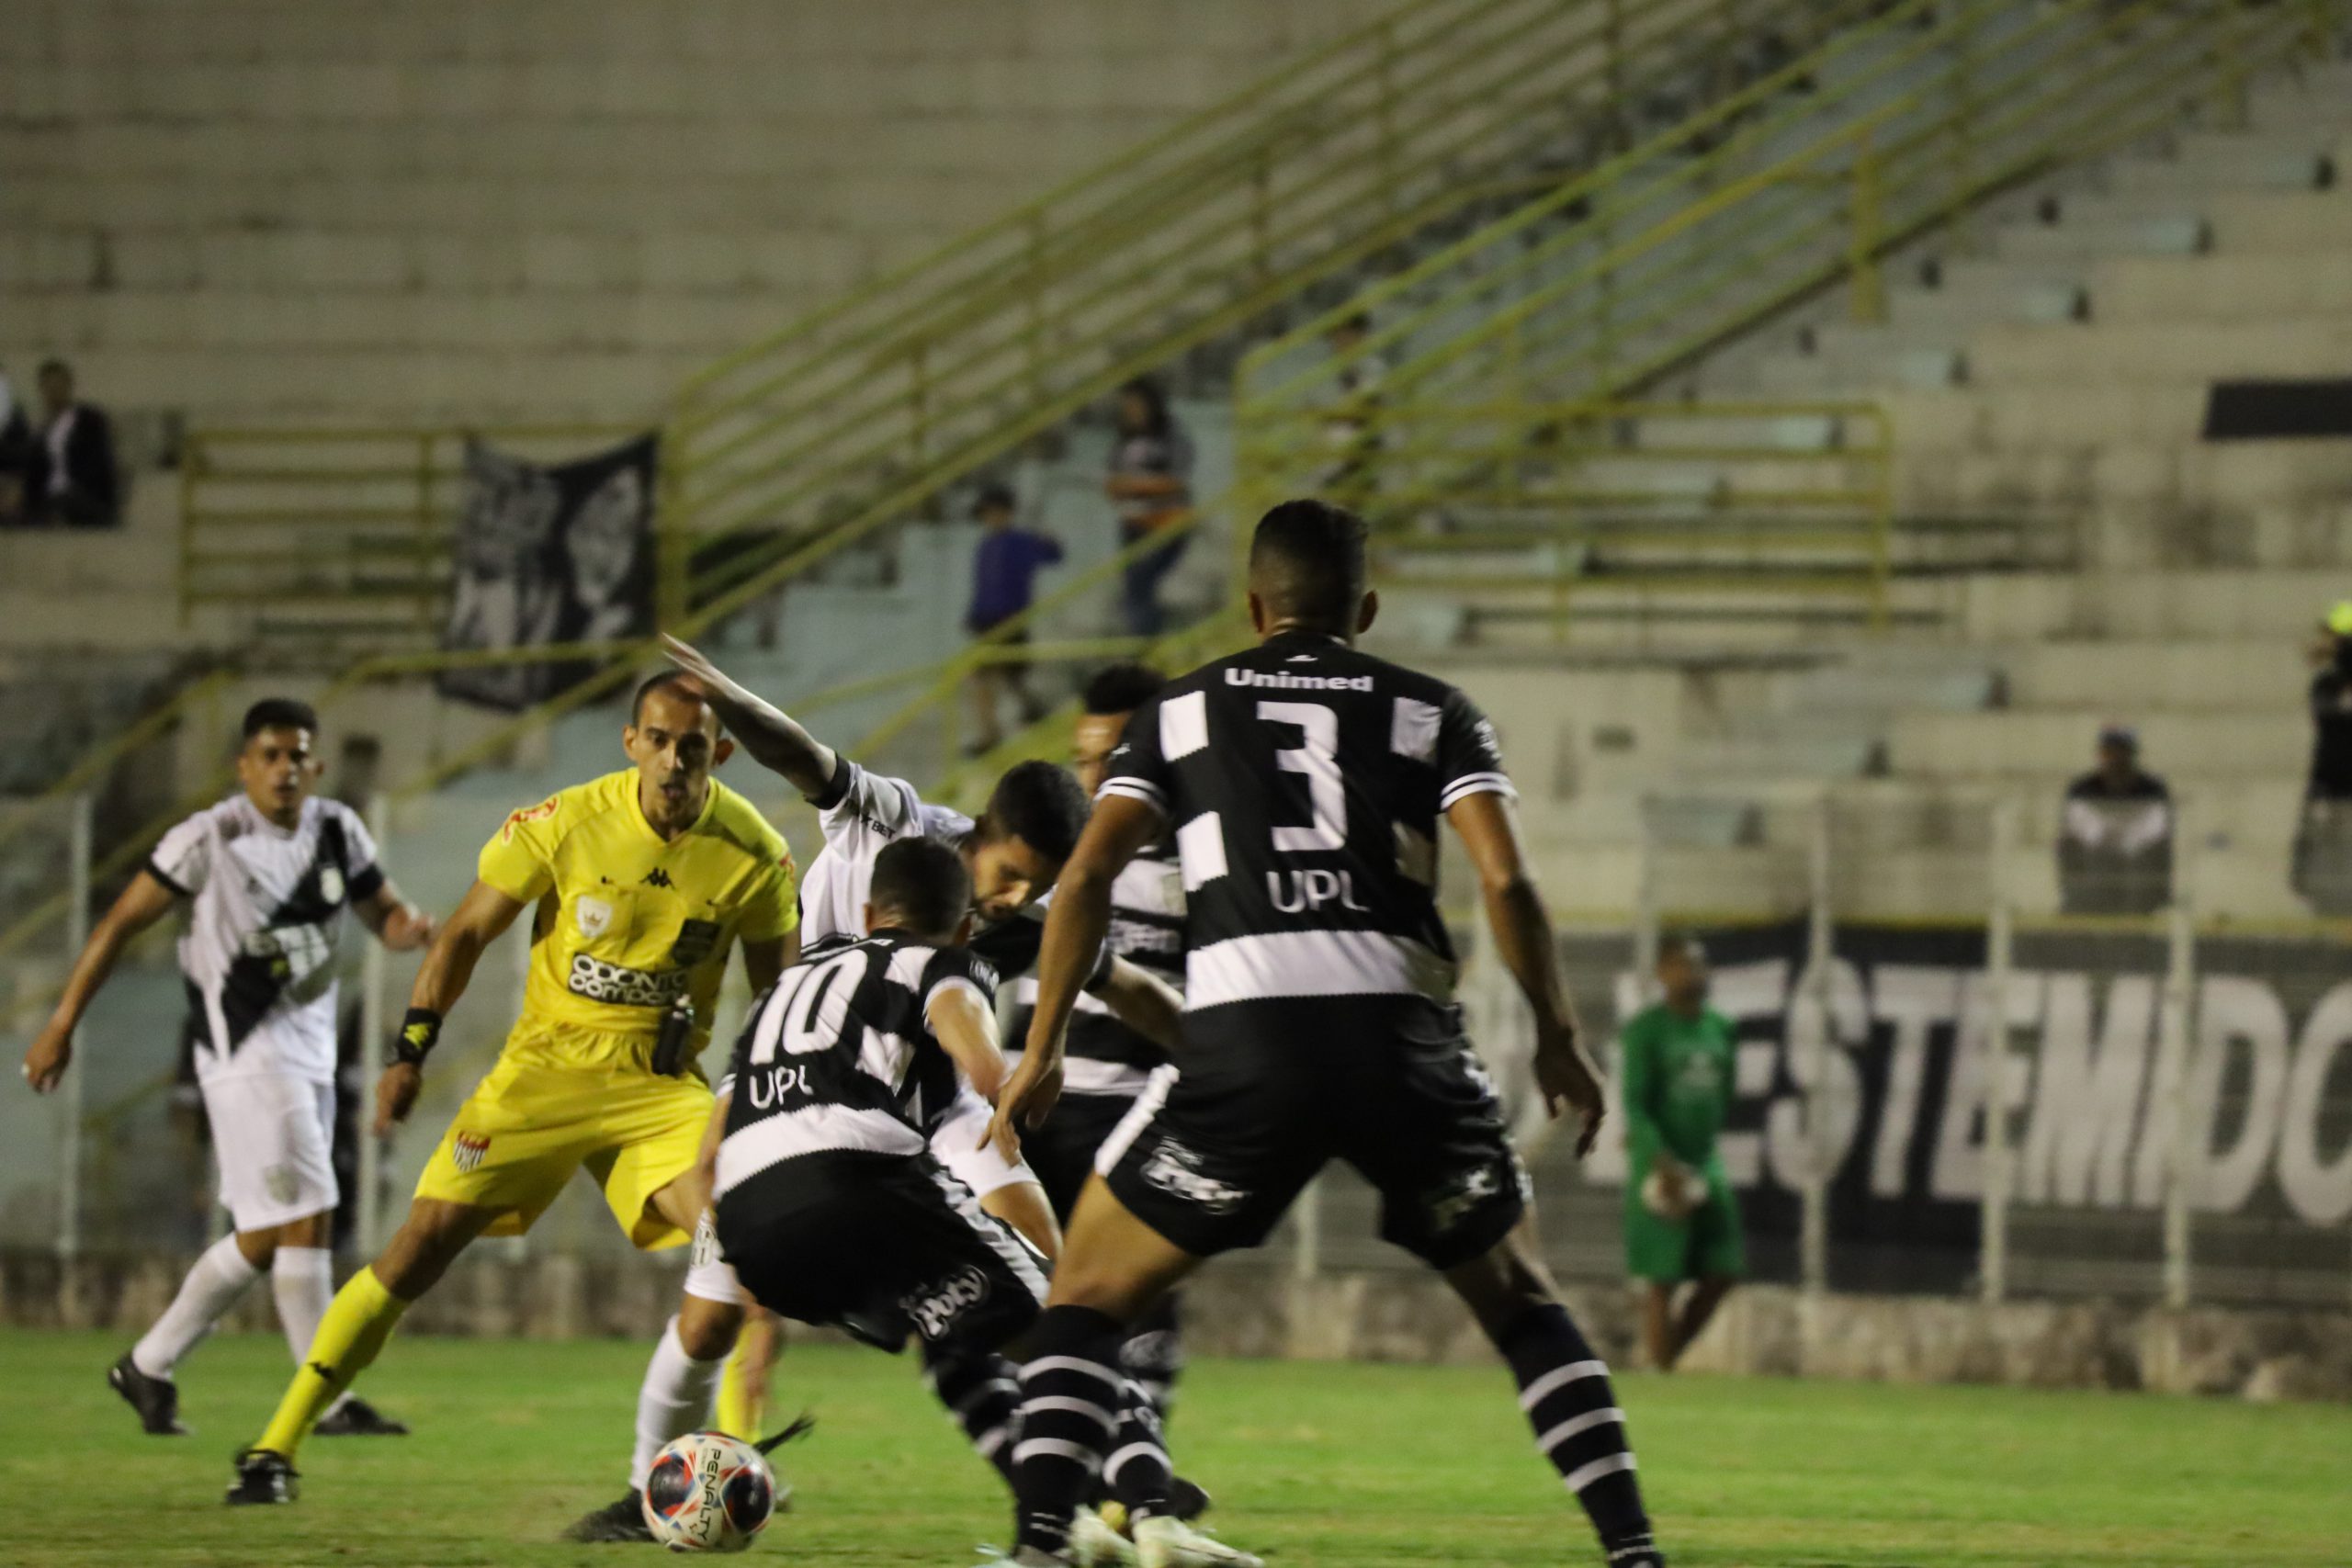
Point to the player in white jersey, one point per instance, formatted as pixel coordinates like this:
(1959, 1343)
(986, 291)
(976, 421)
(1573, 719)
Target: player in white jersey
(267, 875)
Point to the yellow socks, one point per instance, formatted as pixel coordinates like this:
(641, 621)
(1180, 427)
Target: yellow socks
(743, 1387)
(358, 1321)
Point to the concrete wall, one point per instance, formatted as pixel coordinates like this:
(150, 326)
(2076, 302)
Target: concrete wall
(1249, 1309)
(547, 209)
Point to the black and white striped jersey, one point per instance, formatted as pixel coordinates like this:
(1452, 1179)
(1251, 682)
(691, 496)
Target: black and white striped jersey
(266, 908)
(838, 1056)
(1303, 781)
(1146, 930)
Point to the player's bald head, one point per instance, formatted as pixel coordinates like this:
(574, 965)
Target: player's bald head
(676, 694)
(1307, 568)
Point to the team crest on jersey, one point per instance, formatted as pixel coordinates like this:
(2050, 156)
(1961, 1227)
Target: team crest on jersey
(1176, 1170)
(331, 884)
(467, 1149)
(594, 916)
(696, 939)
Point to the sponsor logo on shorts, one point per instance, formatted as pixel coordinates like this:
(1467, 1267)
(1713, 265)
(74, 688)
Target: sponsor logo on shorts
(1463, 1193)
(935, 1309)
(1176, 1170)
(624, 986)
(467, 1149)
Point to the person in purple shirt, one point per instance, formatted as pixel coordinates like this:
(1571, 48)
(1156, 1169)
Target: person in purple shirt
(1004, 573)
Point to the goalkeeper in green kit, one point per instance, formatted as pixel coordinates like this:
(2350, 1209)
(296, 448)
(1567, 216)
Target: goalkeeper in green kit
(1682, 1220)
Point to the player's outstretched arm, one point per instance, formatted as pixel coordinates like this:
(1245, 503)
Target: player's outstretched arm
(479, 920)
(775, 739)
(1145, 1003)
(966, 1026)
(1489, 824)
(1075, 926)
(400, 925)
(145, 901)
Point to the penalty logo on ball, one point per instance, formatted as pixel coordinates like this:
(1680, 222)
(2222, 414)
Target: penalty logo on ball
(708, 1492)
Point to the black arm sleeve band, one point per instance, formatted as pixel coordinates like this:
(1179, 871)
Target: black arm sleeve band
(836, 788)
(420, 1031)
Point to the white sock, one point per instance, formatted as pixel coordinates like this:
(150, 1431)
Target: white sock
(673, 1400)
(210, 1289)
(302, 1278)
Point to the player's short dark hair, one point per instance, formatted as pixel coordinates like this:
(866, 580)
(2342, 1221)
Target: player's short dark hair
(1039, 804)
(279, 713)
(1306, 563)
(1679, 943)
(664, 680)
(921, 885)
(1121, 688)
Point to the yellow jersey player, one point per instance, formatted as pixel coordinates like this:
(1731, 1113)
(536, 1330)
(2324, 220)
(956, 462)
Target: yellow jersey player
(639, 883)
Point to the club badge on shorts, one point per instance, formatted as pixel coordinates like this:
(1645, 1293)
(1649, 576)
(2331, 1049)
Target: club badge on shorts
(467, 1149)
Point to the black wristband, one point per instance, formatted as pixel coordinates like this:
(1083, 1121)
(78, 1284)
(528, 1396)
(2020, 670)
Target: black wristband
(420, 1031)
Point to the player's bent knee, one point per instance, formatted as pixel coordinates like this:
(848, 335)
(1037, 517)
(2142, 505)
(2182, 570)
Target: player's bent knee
(706, 1329)
(1503, 1284)
(1025, 1206)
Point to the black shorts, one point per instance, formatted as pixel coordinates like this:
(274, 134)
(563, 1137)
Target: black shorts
(1266, 1092)
(1062, 1151)
(882, 1246)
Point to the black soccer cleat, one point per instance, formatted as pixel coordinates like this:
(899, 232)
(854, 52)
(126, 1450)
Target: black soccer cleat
(263, 1476)
(358, 1418)
(1187, 1500)
(621, 1521)
(157, 1399)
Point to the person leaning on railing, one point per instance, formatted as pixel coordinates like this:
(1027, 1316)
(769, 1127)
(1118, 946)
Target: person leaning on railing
(1151, 484)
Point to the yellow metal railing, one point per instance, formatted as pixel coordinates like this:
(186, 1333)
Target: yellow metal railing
(1651, 259)
(858, 412)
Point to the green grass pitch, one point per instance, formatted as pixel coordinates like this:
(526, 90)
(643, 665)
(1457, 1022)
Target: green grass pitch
(1317, 1466)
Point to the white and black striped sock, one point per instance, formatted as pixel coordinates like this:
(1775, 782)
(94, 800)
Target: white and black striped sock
(1136, 1471)
(1071, 1397)
(1563, 1387)
(982, 1394)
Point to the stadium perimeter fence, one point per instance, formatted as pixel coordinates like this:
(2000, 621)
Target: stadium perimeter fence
(1944, 1084)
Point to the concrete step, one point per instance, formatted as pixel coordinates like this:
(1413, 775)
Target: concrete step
(2189, 606)
(2129, 675)
(2223, 287)
(240, 320)
(2279, 344)
(796, 265)
(2270, 739)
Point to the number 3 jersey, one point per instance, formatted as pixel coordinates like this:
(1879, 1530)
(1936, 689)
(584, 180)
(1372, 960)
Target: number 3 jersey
(1303, 781)
(258, 954)
(840, 1054)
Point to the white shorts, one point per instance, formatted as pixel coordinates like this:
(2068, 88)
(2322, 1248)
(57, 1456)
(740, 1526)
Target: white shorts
(958, 1146)
(272, 1134)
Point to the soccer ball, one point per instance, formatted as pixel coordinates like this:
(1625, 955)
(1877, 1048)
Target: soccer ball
(708, 1492)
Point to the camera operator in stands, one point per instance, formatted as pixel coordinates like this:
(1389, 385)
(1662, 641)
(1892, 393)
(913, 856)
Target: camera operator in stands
(2115, 838)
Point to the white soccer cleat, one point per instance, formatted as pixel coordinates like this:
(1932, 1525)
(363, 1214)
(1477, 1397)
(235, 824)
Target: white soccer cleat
(1095, 1543)
(1165, 1542)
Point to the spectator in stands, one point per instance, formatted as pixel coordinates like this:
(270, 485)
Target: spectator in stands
(16, 454)
(1151, 484)
(2323, 863)
(72, 480)
(1004, 574)
(1353, 430)
(2115, 839)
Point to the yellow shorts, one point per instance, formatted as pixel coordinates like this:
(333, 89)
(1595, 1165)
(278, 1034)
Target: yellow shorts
(557, 1101)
